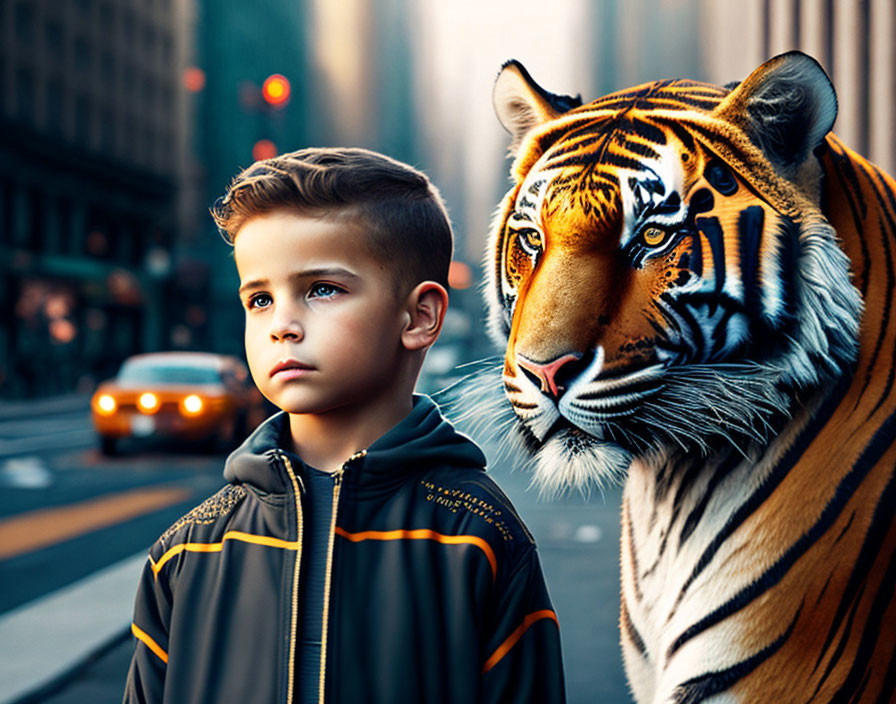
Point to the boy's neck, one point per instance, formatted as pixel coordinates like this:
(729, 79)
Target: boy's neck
(326, 440)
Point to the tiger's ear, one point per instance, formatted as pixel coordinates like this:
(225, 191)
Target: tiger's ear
(522, 104)
(786, 107)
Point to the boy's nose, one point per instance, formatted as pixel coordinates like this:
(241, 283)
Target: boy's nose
(287, 328)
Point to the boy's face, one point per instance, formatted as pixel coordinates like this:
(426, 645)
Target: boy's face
(323, 324)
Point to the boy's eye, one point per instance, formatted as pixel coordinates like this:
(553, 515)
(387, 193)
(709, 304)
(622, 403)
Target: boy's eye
(322, 290)
(259, 300)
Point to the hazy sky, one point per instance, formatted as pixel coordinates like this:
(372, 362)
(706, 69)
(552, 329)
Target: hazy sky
(461, 46)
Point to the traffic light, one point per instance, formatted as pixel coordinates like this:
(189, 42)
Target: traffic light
(194, 79)
(275, 90)
(264, 149)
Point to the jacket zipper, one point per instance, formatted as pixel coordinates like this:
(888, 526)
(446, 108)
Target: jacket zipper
(294, 619)
(337, 488)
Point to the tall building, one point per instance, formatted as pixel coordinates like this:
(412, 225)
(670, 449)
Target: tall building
(93, 134)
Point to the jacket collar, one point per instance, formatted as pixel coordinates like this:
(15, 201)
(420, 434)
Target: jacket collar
(423, 440)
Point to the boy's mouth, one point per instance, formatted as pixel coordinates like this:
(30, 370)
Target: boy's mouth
(294, 367)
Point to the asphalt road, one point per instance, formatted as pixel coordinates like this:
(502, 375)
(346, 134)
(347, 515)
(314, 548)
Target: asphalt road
(49, 462)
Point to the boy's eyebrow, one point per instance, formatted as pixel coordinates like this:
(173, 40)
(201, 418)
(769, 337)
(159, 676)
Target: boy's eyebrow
(304, 274)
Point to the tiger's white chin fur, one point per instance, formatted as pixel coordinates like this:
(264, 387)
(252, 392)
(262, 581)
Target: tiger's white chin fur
(566, 459)
(572, 459)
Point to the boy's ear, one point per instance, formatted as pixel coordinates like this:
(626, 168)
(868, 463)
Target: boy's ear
(426, 306)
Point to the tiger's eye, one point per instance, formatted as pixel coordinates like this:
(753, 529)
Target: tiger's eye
(653, 236)
(530, 240)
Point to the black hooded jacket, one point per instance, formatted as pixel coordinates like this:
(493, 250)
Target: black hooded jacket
(434, 587)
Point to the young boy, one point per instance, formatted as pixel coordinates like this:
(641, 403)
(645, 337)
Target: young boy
(359, 552)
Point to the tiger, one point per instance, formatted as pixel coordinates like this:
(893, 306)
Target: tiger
(694, 285)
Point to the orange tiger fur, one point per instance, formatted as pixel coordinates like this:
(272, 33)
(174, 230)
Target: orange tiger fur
(668, 276)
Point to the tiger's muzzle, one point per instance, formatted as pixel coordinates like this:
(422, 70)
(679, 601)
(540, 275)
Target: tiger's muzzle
(577, 389)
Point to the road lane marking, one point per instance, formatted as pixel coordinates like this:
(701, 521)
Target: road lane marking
(587, 534)
(48, 526)
(27, 472)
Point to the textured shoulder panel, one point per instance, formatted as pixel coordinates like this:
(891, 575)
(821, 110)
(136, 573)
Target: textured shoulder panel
(476, 495)
(210, 510)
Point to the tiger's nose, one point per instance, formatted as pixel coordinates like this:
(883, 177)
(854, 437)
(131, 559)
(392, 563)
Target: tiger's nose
(547, 374)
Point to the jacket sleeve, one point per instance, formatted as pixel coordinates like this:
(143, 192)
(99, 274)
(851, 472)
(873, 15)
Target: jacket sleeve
(522, 650)
(152, 612)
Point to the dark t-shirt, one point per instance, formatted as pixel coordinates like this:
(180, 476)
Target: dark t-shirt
(318, 510)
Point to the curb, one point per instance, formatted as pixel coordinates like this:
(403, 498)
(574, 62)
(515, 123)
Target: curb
(60, 680)
(57, 635)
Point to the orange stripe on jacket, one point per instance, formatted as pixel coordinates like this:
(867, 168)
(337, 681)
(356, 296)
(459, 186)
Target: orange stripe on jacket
(424, 534)
(511, 641)
(217, 547)
(141, 635)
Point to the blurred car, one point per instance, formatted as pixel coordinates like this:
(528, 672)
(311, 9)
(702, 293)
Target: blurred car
(197, 397)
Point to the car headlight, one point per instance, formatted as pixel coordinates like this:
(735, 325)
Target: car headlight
(193, 405)
(148, 402)
(106, 405)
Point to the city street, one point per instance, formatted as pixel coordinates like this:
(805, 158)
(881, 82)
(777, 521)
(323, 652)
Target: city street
(74, 525)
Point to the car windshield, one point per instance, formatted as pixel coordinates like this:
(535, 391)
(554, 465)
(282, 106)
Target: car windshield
(144, 373)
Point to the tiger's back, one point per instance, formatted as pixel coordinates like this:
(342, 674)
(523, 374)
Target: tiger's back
(670, 282)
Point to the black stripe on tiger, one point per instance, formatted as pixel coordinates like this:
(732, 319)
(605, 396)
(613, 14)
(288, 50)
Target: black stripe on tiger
(847, 185)
(883, 438)
(632, 632)
(702, 688)
(693, 518)
(771, 483)
(749, 226)
(721, 178)
(710, 228)
(886, 228)
(881, 523)
(852, 687)
(626, 517)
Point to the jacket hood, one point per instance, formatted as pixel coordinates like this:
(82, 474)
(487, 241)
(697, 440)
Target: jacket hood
(422, 440)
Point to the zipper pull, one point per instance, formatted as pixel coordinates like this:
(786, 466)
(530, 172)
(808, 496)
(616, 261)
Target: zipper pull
(337, 475)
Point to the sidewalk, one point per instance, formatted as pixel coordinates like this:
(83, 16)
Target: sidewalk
(46, 640)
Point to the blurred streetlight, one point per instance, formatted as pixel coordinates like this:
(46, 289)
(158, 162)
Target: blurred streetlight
(275, 90)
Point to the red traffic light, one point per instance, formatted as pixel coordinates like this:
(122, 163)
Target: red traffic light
(264, 149)
(275, 89)
(194, 79)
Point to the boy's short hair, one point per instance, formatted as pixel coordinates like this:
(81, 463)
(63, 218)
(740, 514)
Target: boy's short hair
(402, 213)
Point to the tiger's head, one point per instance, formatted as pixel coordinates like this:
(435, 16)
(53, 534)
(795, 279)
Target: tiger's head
(661, 272)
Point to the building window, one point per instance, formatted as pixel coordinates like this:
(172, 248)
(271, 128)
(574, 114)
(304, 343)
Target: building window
(107, 69)
(54, 41)
(24, 22)
(36, 221)
(82, 55)
(82, 119)
(5, 212)
(107, 131)
(55, 105)
(107, 19)
(25, 94)
(149, 41)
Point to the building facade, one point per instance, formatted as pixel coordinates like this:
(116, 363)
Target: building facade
(93, 135)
